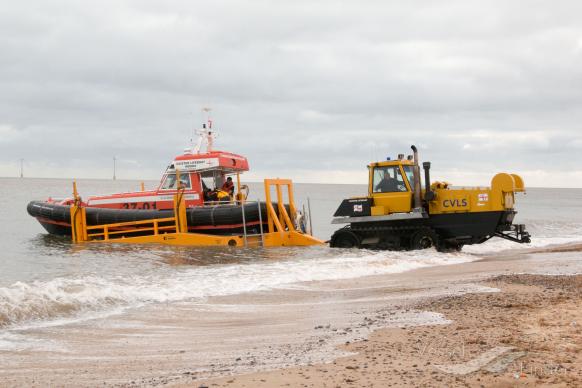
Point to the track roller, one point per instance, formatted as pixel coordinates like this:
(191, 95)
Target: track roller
(424, 238)
(344, 238)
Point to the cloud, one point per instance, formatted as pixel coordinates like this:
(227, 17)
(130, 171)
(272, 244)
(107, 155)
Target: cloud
(312, 88)
(512, 140)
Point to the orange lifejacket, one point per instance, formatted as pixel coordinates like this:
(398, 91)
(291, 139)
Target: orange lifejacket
(228, 187)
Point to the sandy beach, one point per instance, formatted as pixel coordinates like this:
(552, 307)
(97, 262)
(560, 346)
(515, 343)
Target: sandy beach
(529, 334)
(470, 323)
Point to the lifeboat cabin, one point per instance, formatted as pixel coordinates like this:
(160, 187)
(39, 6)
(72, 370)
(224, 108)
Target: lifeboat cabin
(202, 176)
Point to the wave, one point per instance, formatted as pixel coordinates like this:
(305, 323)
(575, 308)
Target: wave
(497, 245)
(43, 302)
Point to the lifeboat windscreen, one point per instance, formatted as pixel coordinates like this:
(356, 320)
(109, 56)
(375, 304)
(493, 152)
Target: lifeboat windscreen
(211, 181)
(170, 182)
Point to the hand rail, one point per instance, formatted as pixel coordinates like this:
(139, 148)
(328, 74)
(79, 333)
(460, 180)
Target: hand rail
(281, 222)
(132, 223)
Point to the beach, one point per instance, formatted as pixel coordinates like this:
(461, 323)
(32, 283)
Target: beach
(516, 313)
(528, 334)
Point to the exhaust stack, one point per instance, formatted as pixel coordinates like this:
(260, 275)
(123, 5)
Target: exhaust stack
(428, 194)
(416, 174)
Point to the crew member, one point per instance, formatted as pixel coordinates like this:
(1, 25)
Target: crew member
(228, 186)
(208, 195)
(387, 184)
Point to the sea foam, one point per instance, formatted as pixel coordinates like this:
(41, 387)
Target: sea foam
(43, 302)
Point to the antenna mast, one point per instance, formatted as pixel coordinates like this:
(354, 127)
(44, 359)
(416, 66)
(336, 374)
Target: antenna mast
(205, 133)
(207, 110)
(114, 160)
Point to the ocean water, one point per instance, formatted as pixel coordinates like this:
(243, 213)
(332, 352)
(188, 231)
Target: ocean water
(47, 281)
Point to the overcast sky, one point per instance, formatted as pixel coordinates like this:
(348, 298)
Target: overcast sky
(312, 90)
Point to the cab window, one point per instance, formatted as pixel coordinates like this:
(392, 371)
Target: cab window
(409, 171)
(388, 180)
(170, 181)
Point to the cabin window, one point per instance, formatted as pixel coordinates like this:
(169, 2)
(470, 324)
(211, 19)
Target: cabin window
(209, 184)
(170, 182)
(409, 171)
(388, 180)
(212, 180)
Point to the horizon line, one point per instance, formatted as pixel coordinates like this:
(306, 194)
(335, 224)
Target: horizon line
(258, 182)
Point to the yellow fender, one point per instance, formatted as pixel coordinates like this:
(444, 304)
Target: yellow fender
(503, 182)
(503, 189)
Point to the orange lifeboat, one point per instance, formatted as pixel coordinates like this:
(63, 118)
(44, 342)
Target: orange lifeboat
(204, 177)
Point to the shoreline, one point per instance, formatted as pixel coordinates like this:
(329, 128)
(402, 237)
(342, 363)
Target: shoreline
(529, 333)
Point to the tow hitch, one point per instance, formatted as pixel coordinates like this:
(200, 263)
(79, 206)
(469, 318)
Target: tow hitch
(514, 232)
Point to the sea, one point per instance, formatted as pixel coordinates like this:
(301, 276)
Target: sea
(47, 281)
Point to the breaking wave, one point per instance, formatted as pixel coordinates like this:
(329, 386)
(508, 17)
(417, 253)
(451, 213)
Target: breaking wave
(44, 301)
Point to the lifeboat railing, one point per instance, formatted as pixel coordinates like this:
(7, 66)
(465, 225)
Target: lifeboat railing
(174, 230)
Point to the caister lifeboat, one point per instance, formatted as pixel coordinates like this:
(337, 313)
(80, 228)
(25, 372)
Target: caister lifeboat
(212, 196)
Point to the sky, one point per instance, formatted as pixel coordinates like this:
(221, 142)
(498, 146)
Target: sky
(310, 90)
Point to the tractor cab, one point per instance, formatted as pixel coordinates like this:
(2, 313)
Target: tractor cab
(391, 192)
(391, 185)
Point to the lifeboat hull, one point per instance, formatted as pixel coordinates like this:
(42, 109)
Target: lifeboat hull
(222, 219)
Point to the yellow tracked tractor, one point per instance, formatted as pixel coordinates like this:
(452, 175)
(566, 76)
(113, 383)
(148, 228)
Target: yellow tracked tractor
(398, 214)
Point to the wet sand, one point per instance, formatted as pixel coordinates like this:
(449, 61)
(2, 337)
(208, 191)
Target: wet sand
(380, 330)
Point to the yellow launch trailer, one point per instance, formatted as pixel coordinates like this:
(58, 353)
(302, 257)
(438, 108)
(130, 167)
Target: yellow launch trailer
(174, 230)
